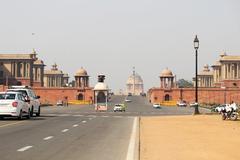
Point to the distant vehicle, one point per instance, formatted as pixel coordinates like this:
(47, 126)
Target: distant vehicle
(228, 111)
(13, 104)
(156, 105)
(143, 94)
(193, 104)
(28, 94)
(128, 100)
(129, 94)
(59, 103)
(182, 104)
(119, 107)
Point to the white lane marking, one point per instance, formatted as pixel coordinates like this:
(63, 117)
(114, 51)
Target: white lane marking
(65, 130)
(78, 115)
(24, 148)
(84, 121)
(64, 115)
(131, 146)
(47, 138)
(75, 125)
(93, 116)
(105, 116)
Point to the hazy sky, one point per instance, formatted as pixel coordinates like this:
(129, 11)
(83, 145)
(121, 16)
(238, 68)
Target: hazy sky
(110, 37)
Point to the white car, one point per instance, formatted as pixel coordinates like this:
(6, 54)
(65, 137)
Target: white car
(13, 104)
(193, 104)
(28, 93)
(182, 104)
(119, 107)
(59, 103)
(156, 105)
(128, 100)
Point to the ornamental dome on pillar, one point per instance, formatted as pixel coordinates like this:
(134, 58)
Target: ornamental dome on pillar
(166, 73)
(81, 73)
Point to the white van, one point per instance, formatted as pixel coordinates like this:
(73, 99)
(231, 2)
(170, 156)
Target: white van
(28, 93)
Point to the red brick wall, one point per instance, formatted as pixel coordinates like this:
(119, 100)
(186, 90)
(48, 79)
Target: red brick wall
(24, 81)
(37, 84)
(205, 95)
(52, 95)
(3, 88)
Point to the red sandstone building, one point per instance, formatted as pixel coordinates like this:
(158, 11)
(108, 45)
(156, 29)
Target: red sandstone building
(21, 69)
(52, 85)
(216, 86)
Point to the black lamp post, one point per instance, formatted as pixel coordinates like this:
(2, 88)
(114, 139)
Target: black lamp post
(196, 46)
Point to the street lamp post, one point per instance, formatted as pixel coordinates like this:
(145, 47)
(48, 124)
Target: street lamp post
(196, 46)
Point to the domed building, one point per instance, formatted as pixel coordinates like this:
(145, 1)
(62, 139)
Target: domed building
(135, 84)
(82, 78)
(167, 79)
(53, 77)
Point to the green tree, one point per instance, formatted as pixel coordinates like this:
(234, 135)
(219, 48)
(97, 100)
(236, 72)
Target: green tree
(182, 83)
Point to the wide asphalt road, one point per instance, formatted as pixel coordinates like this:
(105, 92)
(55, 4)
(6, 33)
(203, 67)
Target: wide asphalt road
(78, 132)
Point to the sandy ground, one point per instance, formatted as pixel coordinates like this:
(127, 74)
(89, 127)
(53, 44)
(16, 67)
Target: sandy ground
(202, 137)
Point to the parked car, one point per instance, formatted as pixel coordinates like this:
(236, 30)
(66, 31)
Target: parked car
(129, 94)
(13, 104)
(182, 104)
(28, 94)
(156, 105)
(119, 107)
(193, 104)
(59, 103)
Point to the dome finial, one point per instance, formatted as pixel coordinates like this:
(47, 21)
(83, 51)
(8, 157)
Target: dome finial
(54, 66)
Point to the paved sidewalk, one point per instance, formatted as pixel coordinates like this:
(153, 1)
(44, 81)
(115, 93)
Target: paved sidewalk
(202, 137)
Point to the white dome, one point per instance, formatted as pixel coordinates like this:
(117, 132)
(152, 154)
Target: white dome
(137, 79)
(101, 86)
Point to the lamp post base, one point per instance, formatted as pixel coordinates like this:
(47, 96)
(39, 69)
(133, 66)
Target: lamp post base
(196, 110)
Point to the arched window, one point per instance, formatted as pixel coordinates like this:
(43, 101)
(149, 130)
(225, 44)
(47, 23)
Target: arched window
(167, 97)
(80, 96)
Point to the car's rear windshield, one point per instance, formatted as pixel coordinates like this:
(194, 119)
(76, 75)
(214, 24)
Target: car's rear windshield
(7, 96)
(24, 93)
